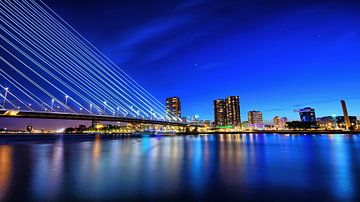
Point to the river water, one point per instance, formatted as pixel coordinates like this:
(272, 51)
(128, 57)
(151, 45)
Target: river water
(226, 167)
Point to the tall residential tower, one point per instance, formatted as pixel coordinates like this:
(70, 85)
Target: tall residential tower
(173, 106)
(219, 113)
(232, 106)
(227, 111)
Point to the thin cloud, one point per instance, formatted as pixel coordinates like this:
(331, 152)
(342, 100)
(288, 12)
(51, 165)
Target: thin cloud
(207, 66)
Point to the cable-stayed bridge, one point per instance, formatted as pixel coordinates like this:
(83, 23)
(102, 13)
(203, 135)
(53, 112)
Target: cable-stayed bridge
(49, 70)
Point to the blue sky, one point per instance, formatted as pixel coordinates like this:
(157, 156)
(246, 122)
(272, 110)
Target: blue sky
(273, 54)
(276, 55)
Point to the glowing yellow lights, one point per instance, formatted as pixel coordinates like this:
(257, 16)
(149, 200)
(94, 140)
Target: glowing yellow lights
(99, 126)
(11, 113)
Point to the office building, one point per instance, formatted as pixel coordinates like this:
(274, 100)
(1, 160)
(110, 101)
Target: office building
(279, 122)
(173, 106)
(307, 115)
(255, 119)
(202, 122)
(326, 122)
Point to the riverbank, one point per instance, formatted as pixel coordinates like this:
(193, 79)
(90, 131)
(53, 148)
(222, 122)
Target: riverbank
(312, 132)
(315, 132)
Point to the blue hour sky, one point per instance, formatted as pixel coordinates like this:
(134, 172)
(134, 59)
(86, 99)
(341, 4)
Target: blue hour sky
(276, 55)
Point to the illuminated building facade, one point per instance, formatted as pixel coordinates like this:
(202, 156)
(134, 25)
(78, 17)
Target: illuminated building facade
(336, 122)
(219, 113)
(232, 108)
(341, 121)
(227, 112)
(279, 122)
(307, 115)
(173, 106)
(255, 119)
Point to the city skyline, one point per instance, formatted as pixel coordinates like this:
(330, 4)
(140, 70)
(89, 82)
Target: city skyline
(252, 117)
(181, 100)
(195, 98)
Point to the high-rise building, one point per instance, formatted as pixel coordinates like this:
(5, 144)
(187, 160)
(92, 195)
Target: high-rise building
(307, 115)
(227, 111)
(279, 122)
(173, 106)
(219, 113)
(255, 119)
(232, 108)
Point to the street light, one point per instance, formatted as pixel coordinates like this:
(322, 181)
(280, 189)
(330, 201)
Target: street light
(91, 108)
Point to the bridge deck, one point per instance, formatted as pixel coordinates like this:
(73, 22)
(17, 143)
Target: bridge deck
(89, 117)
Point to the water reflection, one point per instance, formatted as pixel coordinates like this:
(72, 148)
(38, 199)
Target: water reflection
(47, 171)
(247, 166)
(341, 169)
(5, 169)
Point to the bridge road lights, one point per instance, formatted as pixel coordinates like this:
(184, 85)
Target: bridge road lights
(5, 95)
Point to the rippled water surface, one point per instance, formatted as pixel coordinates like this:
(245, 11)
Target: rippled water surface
(181, 168)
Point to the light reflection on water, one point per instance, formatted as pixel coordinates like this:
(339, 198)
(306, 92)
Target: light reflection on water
(5, 169)
(206, 167)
